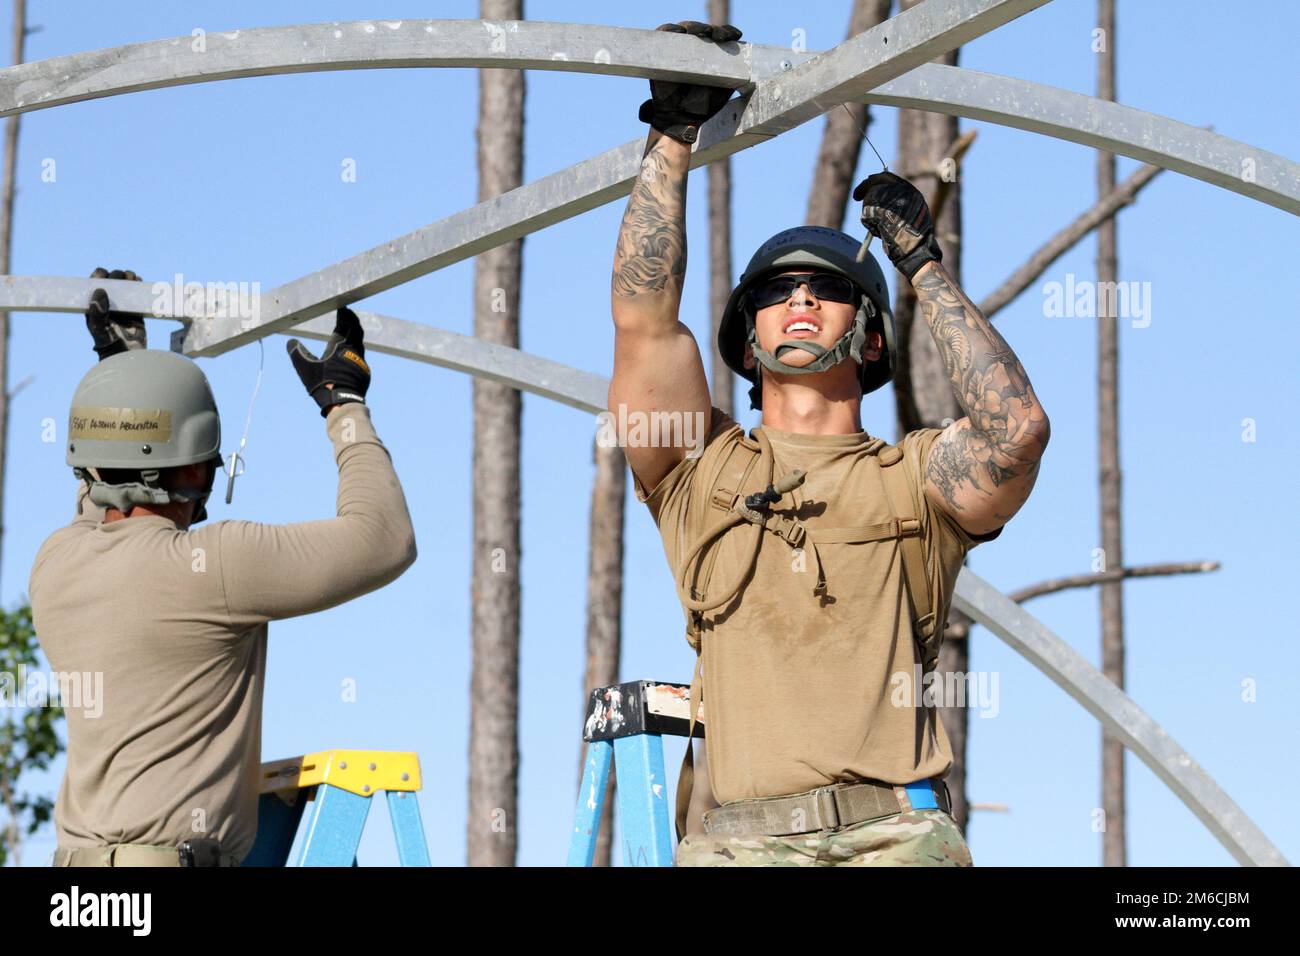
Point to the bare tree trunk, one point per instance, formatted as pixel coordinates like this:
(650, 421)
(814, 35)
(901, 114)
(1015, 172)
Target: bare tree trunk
(720, 251)
(923, 394)
(837, 159)
(605, 603)
(1112, 593)
(492, 824)
(6, 253)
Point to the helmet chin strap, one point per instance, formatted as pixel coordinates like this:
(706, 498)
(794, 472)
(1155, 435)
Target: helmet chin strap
(850, 345)
(124, 497)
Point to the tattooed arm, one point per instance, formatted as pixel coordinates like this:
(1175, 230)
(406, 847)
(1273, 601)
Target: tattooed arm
(982, 468)
(657, 364)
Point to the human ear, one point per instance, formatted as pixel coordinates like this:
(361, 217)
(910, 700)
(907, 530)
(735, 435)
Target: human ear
(874, 347)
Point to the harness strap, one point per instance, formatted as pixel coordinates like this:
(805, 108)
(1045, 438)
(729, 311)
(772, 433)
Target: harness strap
(898, 492)
(728, 496)
(894, 528)
(728, 483)
(788, 529)
(686, 777)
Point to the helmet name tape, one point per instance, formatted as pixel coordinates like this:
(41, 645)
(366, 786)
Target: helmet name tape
(120, 424)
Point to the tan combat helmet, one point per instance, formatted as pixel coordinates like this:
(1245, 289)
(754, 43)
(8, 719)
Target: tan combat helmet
(143, 411)
(814, 247)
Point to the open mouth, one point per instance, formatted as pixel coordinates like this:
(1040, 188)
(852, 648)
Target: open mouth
(801, 325)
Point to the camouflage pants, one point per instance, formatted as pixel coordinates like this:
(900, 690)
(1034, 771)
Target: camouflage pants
(914, 838)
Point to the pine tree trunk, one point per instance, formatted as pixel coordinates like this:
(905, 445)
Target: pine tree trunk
(923, 393)
(6, 254)
(492, 824)
(605, 604)
(1112, 592)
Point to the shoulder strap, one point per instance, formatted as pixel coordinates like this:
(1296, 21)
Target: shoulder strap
(728, 484)
(898, 492)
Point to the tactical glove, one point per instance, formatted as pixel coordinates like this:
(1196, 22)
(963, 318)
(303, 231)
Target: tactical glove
(895, 210)
(680, 109)
(341, 374)
(113, 332)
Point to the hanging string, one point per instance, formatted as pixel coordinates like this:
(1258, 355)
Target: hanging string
(866, 243)
(236, 466)
(867, 138)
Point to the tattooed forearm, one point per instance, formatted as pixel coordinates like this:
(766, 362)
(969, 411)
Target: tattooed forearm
(1008, 427)
(650, 259)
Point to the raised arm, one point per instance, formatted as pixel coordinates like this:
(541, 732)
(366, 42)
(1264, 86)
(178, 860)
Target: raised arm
(270, 572)
(657, 364)
(982, 468)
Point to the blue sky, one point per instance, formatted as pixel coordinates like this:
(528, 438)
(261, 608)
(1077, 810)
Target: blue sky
(240, 181)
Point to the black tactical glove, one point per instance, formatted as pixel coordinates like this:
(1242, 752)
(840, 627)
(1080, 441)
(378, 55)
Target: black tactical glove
(113, 332)
(895, 210)
(680, 109)
(342, 365)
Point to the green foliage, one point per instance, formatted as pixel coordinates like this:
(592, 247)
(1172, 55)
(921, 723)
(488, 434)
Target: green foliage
(28, 735)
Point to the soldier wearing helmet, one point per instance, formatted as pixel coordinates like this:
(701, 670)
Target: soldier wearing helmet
(165, 770)
(814, 562)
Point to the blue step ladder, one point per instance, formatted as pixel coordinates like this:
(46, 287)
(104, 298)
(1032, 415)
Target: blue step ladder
(340, 784)
(625, 725)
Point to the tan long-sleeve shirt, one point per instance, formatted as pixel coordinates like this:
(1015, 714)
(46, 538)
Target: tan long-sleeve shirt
(176, 623)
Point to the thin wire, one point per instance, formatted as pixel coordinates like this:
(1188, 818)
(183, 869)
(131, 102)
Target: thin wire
(866, 243)
(867, 138)
(237, 462)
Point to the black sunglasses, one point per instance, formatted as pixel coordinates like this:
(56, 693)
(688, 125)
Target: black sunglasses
(823, 285)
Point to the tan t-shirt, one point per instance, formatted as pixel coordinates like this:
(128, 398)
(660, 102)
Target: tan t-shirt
(799, 691)
(176, 623)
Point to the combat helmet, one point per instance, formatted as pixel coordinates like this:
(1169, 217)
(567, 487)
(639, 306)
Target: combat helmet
(143, 411)
(815, 247)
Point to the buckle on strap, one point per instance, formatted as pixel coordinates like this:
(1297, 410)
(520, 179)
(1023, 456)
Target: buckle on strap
(828, 811)
(907, 527)
(723, 498)
(788, 528)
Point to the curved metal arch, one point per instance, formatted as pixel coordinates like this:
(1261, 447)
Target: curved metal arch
(1101, 124)
(618, 51)
(1120, 715)
(378, 45)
